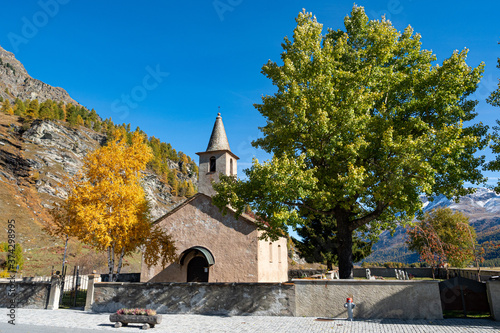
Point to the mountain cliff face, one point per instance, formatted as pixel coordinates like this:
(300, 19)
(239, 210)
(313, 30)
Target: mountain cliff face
(482, 208)
(15, 82)
(55, 153)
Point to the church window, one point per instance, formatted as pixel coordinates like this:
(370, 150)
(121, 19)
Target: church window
(279, 254)
(212, 164)
(270, 252)
(231, 167)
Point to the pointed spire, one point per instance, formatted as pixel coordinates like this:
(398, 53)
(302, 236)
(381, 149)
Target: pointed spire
(218, 139)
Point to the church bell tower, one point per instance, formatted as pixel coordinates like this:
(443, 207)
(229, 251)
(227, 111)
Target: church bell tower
(217, 159)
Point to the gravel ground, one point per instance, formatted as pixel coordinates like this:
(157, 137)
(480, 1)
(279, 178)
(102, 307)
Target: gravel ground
(76, 321)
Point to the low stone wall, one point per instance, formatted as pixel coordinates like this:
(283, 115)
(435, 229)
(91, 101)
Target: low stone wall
(469, 273)
(373, 299)
(390, 272)
(303, 273)
(29, 295)
(123, 277)
(266, 299)
(311, 298)
(493, 291)
(361, 272)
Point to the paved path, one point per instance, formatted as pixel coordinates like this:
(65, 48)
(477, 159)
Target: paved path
(75, 321)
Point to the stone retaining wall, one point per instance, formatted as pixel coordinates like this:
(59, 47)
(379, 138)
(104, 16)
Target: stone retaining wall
(373, 299)
(312, 298)
(493, 291)
(29, 295)
(390, 272)
(469, 273)
(266, 299)
(123, 277)
(303, 273)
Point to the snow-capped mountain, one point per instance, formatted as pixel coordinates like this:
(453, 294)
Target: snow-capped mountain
(484, 201)
(482, 208)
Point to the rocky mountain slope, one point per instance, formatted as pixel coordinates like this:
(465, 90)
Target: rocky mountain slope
(482, 208)
(35, 163)
(15, 82)
(55, 152)
(37, 157)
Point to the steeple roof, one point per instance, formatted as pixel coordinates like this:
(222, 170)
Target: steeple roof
(218, 139)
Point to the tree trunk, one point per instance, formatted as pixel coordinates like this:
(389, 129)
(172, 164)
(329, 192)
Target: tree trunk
(344, 237)
(122, 254)
(111, 262)
(64, 257)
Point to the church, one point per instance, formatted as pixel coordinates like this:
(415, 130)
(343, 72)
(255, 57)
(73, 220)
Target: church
(212, 247)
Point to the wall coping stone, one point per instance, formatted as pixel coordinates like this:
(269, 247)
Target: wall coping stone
(347, 281)
(261, 284)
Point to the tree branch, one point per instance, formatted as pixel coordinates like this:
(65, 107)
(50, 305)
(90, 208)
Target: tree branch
(369, 217)
(303, 205)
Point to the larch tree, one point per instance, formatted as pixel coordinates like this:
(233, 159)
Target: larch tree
(443, 236)
(19, 107)
(106, 207)
(7, 108)
(363, 122)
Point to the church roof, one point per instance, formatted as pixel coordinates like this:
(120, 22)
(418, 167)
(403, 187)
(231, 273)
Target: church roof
(246, 217)
(218, 139)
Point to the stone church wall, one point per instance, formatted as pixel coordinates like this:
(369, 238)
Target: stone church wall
(273, 260)
(233, 243)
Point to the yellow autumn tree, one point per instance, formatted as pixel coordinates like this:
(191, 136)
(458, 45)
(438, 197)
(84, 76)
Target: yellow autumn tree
(79, 120)
(190, 191)
(107, 209)
(7, 108)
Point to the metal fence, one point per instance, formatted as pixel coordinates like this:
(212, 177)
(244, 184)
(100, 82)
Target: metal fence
(70, 281)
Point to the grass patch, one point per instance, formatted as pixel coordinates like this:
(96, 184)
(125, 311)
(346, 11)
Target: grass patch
(68, 299)
(470, 314)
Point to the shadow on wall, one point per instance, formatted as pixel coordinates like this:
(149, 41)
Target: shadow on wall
(28, 295)
(198, 298)
(123, 277)
(373, 299)
(406, 303)
(172, 272)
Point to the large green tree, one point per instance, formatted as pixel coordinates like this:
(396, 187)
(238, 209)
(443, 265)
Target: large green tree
(494, 99)
(319, 243)
(363, 122)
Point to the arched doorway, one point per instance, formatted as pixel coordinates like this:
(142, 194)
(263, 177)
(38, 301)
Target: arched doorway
(198, 259)
(197, 270)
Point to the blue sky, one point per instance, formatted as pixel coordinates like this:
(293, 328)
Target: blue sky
(179, 61)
